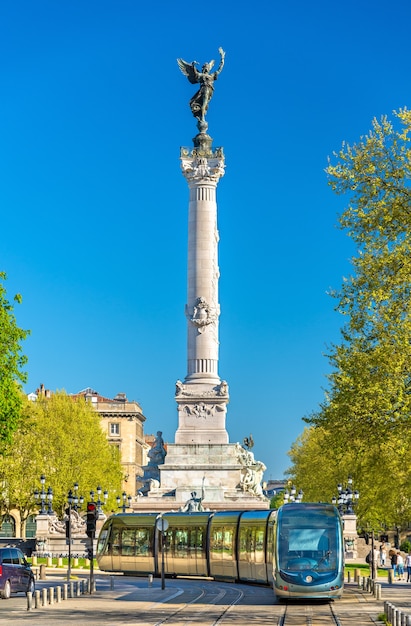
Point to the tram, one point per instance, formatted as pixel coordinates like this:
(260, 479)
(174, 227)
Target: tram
(230, 546)
(308, 551)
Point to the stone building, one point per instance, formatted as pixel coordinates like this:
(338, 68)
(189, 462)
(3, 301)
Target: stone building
(122, 420)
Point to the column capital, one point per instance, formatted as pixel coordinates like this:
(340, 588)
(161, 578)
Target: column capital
(202, 166)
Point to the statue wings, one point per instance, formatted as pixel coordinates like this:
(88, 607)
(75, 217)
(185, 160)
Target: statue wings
(189, 70)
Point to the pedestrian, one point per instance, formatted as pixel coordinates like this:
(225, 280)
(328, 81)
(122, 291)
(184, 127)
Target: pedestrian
(408, 566)
(393, 556)
(383, 555)
(400, 566)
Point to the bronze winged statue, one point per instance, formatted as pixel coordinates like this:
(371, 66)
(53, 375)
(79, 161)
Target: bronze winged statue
(200, 101)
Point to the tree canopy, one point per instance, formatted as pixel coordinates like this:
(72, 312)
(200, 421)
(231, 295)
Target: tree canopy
(11, 363)
(363, 426)
(60, 437)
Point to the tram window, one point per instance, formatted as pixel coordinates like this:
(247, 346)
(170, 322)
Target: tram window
(181, 539)
(128, 542)
(196, 540)
(243, 544)
(216, 543)
(115, 544)
(228, 547)
(259, 545)
(142, 542)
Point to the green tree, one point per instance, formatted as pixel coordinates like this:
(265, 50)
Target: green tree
(11, 363)
(60, 437)
(365, 417)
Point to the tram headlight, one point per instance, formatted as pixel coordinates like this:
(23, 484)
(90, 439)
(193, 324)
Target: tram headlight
(308, 579)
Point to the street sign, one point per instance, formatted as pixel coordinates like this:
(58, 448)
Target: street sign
(162, 524)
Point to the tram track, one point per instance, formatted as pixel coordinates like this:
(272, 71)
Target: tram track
(299, 614)
(211, 608)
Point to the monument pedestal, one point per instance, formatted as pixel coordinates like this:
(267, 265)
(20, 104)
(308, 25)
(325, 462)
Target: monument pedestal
(224, 476)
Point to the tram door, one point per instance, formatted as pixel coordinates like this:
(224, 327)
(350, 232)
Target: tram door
(251, 553)
(131, 550)
(223, 534)
(185, 550)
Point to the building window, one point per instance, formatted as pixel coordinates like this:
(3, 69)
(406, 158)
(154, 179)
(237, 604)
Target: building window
(8, 526)
(31, 526)
(115, 430)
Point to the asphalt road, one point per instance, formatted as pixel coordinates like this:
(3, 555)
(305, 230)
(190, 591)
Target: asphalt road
(126, 601)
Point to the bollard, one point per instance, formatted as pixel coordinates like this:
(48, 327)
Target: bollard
(71, 590)
(58, 595)
(65, 591)
(378, 591)
(357, 574)
(34, 560)
(51, 595)
(390, 577)
(43, 572)
(37, 602)
(348, 576)
(395, 617)
(408, 620)
(44, 596)
(111, 583)
(150, 580)
(78, 589)
(29, 600)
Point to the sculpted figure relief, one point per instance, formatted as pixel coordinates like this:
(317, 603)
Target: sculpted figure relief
(200, 101)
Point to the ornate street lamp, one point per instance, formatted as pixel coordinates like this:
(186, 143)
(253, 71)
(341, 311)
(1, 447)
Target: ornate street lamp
(99, 502)
(45, 497)
(347, 498)
(127, 499)
(292, 495)
(73, 503)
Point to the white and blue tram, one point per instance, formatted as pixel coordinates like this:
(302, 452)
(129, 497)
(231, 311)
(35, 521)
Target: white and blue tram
(231, 546)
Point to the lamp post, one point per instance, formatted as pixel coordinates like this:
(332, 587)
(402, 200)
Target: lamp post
(92, 531)
(127, 499)
(347, 498)
(45, 497)
(292, 495)
(73, 503)
(99, 501)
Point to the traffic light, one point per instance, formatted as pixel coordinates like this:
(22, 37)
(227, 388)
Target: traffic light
(92, 516)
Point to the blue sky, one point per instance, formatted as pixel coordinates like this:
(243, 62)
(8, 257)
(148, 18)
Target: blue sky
(94, 207)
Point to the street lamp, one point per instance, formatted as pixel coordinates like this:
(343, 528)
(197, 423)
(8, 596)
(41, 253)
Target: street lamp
(92, 531)
(45, 497)
(73, 503)
(126, 498)
(99, 501)
(347, 498)
(292, 495)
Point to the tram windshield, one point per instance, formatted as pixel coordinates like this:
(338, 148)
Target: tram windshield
(308, 539)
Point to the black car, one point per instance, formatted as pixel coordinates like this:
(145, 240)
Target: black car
(15, 573)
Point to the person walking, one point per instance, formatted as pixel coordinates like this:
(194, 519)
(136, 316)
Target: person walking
(393, 556)
(400, 566)
(383, 555)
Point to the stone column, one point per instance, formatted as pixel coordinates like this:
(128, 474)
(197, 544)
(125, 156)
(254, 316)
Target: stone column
(203, 397)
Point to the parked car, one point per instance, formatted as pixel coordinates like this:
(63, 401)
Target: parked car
(15, 573)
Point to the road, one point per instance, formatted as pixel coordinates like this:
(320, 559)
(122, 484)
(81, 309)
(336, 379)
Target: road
(126, 601)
